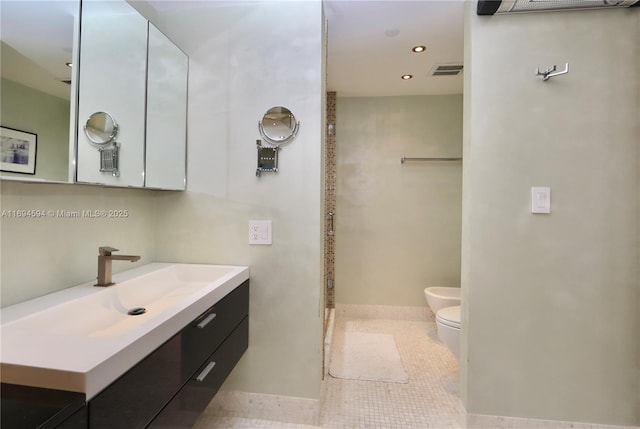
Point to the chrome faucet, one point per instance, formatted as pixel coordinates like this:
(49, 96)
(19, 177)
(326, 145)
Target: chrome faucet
(104, 264)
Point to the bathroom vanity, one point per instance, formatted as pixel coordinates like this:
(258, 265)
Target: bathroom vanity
(156, 370)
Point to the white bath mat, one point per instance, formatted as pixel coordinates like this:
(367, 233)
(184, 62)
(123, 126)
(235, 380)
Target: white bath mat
(367, 356)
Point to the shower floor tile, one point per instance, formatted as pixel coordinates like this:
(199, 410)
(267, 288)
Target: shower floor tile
(429, 400)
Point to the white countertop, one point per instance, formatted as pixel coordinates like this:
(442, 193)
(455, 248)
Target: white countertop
(81, 339)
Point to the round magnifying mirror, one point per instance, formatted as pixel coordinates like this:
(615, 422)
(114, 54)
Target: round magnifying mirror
(101, 128)
(278, 125)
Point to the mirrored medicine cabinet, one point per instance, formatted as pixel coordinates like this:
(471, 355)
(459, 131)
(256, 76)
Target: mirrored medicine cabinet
(123, 66)
(37, 43)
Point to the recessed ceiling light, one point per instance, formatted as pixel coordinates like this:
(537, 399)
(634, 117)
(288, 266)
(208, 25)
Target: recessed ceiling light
(406, 76)
(419, 49)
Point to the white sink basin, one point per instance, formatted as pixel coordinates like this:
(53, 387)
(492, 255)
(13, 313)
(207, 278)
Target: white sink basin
(105, 314)
(81, 339)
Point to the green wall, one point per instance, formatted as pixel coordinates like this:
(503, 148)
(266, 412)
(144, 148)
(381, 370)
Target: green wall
(551, 301)
(27, 109)
(397, 225)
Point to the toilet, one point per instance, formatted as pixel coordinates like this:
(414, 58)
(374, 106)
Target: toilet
(448, 325)
(440, 297)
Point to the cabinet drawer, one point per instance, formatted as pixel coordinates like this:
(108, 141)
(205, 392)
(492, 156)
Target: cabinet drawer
(205, 334)
(134, 399)
(77, 421)
(188, 404)
(25, 407)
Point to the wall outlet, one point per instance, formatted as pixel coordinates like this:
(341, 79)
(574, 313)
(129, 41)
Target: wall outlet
(260, 232)
(540, 199)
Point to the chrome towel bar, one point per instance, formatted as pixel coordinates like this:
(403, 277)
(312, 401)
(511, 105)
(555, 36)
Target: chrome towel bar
(404, 158)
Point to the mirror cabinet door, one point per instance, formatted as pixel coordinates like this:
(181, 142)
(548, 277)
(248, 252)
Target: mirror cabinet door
(113, 59)
(37, 43)
(166, 113)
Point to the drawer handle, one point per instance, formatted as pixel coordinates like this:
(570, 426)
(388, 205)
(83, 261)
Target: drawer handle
(207, 369)
(207, 320)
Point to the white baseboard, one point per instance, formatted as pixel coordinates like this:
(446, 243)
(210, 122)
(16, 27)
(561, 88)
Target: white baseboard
(481, 421)
(390, 312)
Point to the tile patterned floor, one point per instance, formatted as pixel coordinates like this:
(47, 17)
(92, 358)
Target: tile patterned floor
(429, 400)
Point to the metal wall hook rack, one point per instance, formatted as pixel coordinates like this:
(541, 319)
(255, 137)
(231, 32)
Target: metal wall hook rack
(551, 72)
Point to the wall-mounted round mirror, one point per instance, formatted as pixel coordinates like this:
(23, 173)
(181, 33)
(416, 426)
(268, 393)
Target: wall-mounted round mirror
(101, 128)
(278, 126)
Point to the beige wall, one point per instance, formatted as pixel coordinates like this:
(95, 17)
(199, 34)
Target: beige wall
(551, 302)
(246, 57)
(33, 111)
(397, 225)
(54, 248)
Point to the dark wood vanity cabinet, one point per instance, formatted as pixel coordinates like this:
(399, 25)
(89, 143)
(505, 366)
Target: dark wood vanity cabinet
(193, 398)
(167, 389)
(25, 407)
(173, 385)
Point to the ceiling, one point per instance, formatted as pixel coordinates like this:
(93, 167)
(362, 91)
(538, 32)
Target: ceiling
(369, 46)
(369, 43)
(37, 39)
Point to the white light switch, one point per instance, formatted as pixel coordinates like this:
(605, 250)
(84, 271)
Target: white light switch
(540, 199)
(260, 232)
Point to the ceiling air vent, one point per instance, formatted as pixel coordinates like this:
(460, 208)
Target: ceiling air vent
(491, 7)
(447, 70)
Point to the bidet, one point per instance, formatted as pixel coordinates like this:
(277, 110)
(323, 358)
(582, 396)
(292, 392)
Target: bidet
(441, 297)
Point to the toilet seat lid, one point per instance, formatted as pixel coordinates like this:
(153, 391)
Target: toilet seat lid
(449, 316)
